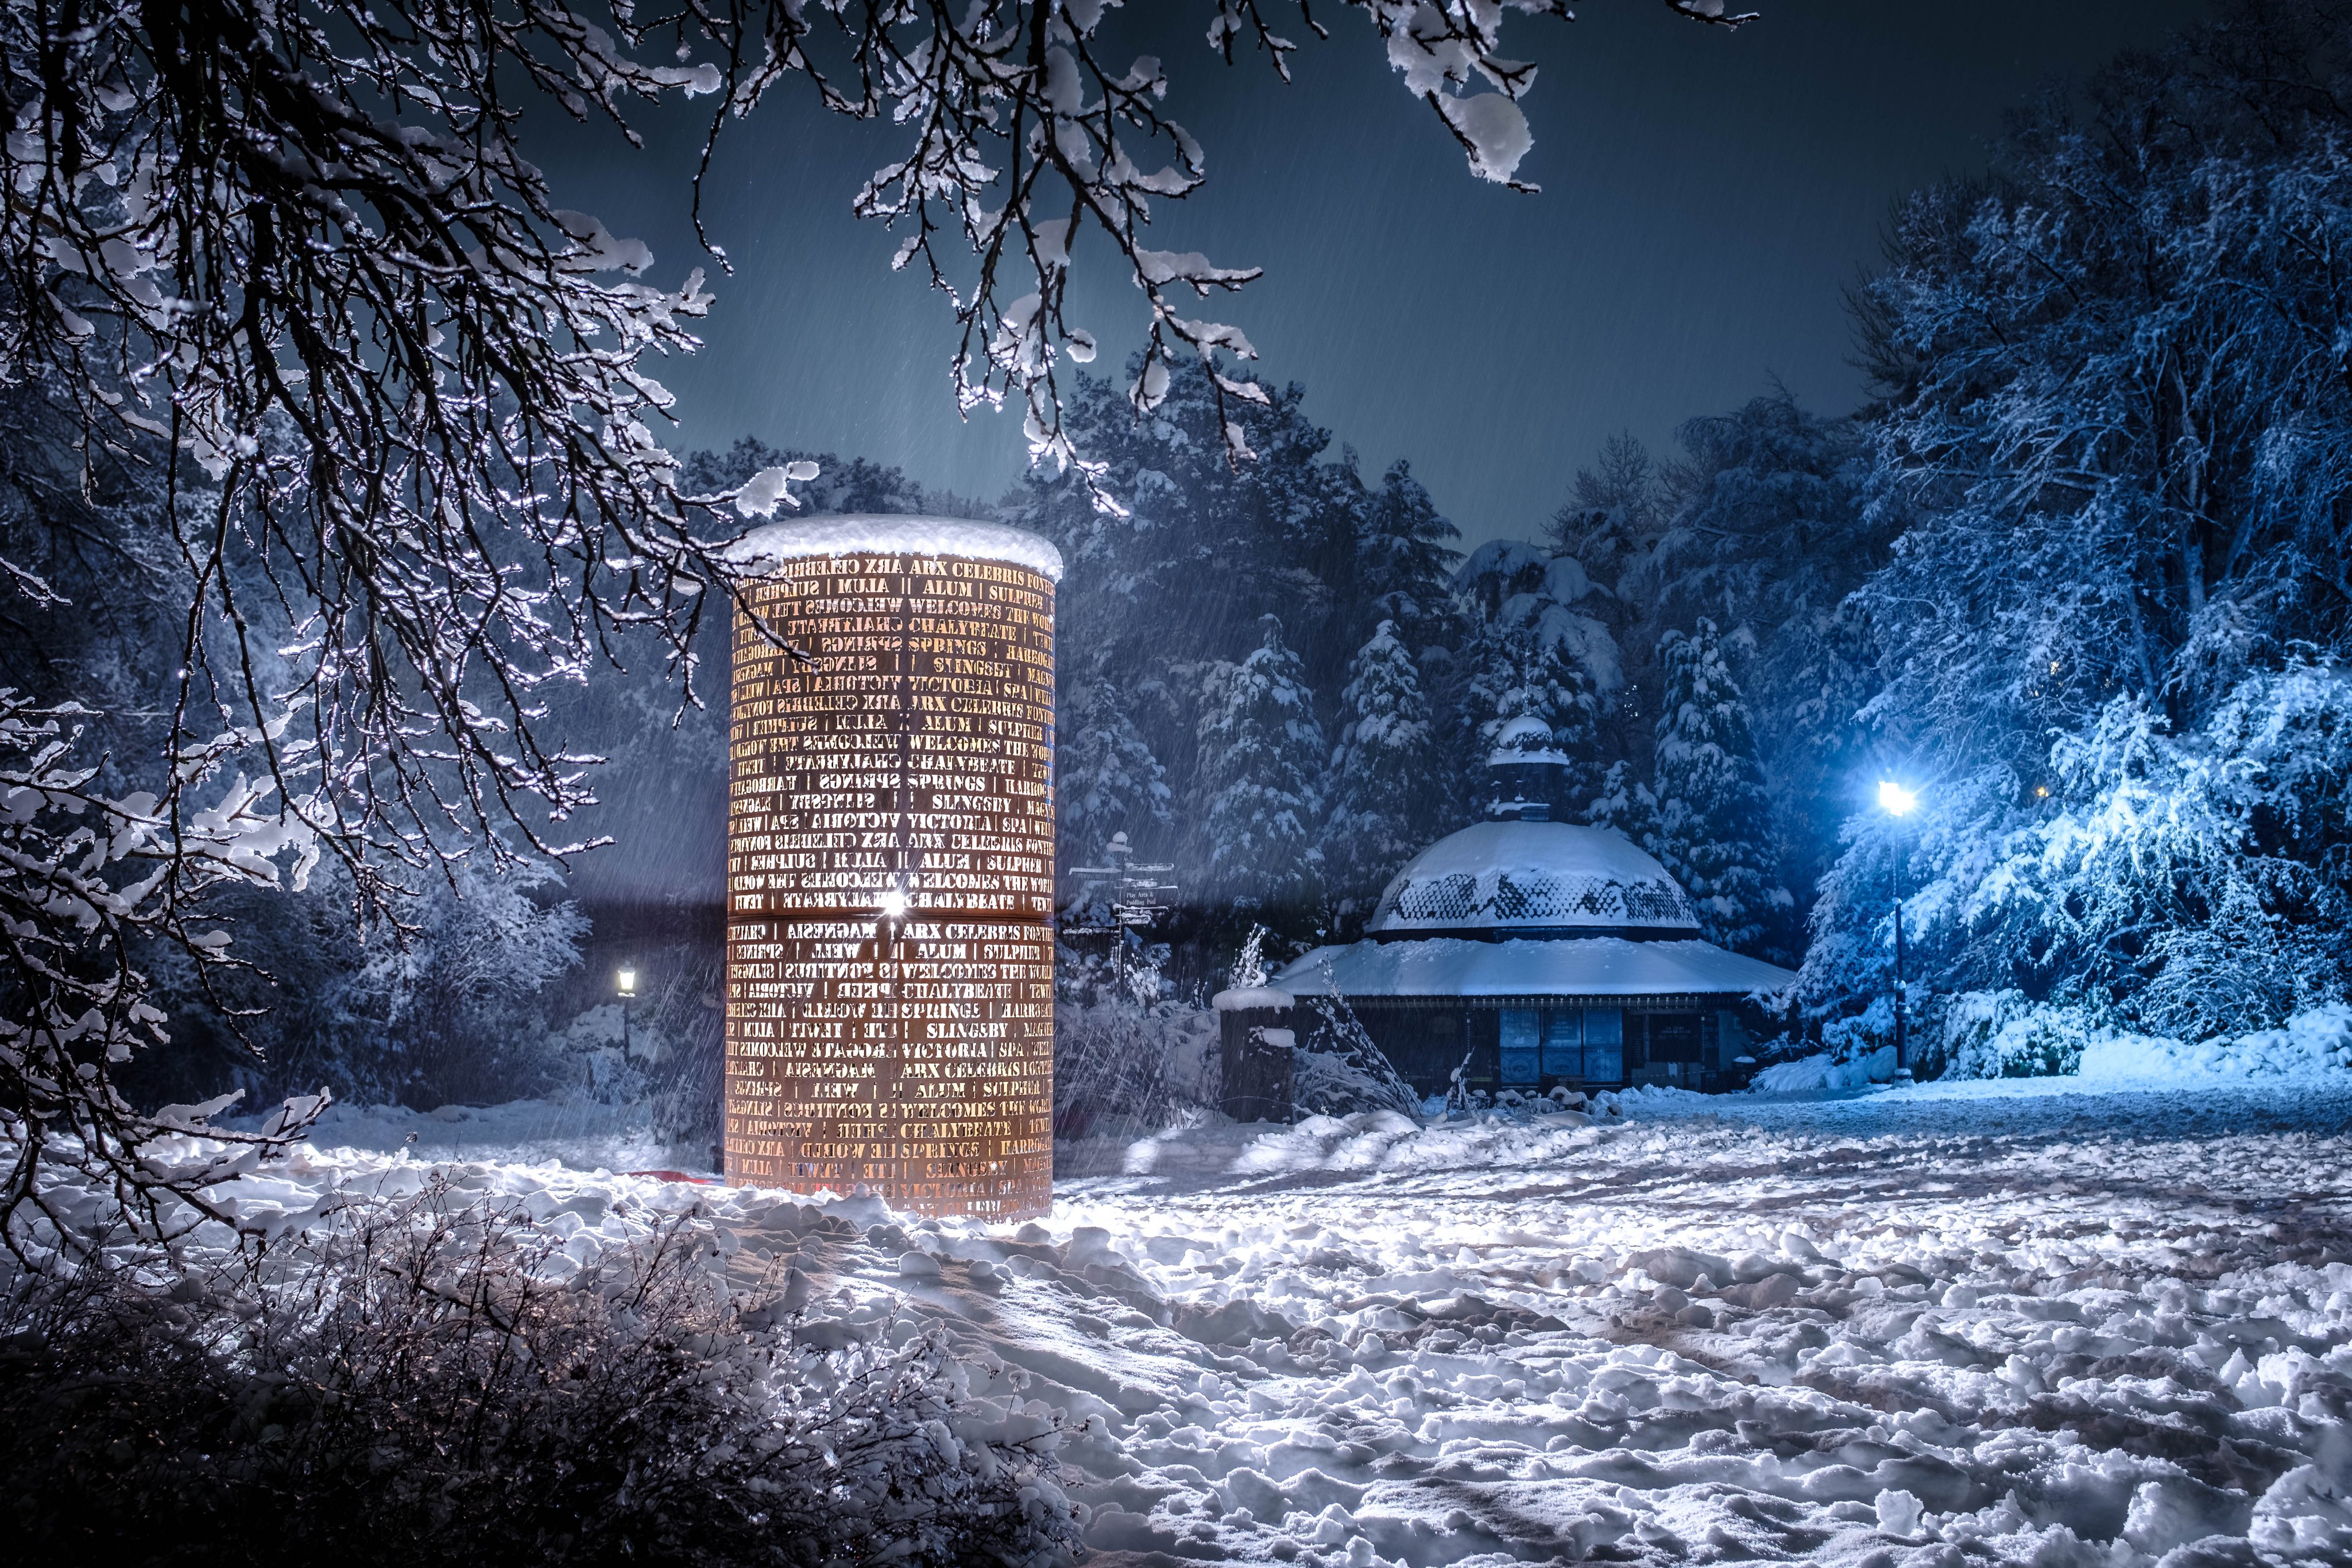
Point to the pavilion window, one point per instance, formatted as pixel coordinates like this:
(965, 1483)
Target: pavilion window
(1563, 1043)
(1522, 1052)
(1585, 1045)
(1604, 1044)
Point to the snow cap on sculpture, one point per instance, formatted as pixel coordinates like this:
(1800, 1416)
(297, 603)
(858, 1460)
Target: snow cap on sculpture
(888, 533)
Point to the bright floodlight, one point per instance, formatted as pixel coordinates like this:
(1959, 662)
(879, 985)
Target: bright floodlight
(628, 982)
(894, 904)
(1895, 799)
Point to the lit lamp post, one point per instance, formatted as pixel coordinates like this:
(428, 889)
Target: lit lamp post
(628, 993)
(1897, 801)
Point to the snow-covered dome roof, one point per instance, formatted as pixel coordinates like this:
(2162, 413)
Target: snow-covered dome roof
(890, 533)
(1597, 966)
(1533, 879)
(1526, 740)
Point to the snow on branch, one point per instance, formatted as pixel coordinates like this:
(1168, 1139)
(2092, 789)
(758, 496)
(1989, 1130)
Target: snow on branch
(87, 880)
(1028, 131)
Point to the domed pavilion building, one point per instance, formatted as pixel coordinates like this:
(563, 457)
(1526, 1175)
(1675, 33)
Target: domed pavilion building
(1532, 954)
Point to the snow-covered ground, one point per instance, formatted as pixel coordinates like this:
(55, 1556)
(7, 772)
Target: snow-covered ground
(2006, 1321)
(581, 1134)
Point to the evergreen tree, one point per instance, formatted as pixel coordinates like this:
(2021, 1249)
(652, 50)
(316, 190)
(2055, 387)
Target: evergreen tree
(1512, 585)
(1575, 732)
(1518, 673)
(1106, 779)
(1203, 547)
(1382, 765)
(1625, 806)
(1154, 598)
(1262, 757)
(1481, 675)
(1771, 540)
(1714, 831)
(1619, 507)
(1404, 563)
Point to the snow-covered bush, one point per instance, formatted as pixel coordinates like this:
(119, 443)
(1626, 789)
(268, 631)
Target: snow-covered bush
(1339, 1071)
(449, 1006)
(2313, 1044)
(432, 1380)
(1859, 1034)
(1129, 1057)
(603, 1061)
(2001, 1034)
(1825, 1070)
(1859, 1048)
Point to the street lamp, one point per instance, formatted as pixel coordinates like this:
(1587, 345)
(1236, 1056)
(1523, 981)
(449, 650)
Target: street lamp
(628, 978)
(1897, 801)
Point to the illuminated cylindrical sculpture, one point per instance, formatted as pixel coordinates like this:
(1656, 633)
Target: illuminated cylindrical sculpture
(890, 865)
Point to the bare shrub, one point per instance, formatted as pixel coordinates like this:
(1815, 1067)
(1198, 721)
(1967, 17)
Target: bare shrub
(1123, 1063)
(419, 1384)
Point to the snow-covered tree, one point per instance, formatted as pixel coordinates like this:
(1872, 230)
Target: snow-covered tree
(1262, 760)
(1106, 779)
(1768, 537)
(2184, 885)
(1202, 545)
(1152, 597)
(840, 486)
(394, 125)
(1510, 584)
(1574, 721)
(1404, 559)
(1626, 805)
(1534, 641)
(2116, 440)
(1714, 821)
(2115, 409)
(1514, 671)
(1384, 774)
(1617, 512)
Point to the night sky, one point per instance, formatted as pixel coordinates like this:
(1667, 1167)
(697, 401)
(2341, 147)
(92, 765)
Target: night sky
(1707, 197)
(1707, 194)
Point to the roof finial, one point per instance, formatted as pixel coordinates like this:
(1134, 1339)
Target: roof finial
(1528, 769)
